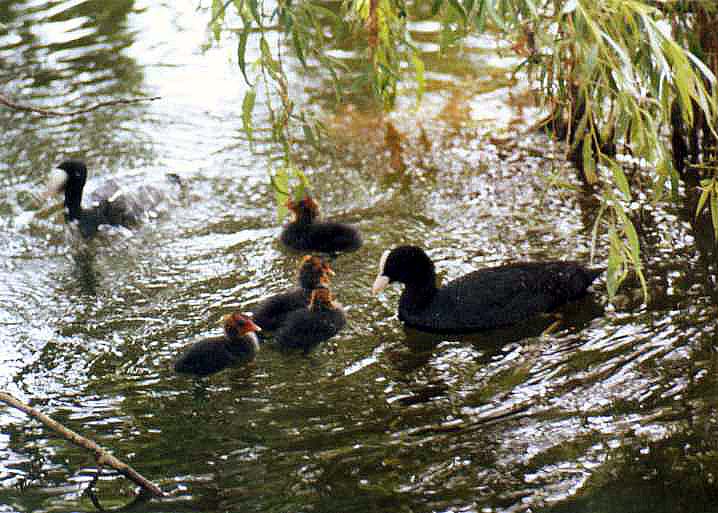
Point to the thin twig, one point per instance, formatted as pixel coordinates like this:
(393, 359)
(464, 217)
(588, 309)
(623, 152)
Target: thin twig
(4, 100)
(102, 457)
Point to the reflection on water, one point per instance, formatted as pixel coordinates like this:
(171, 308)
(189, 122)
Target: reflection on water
(612, 404)
(72, 53)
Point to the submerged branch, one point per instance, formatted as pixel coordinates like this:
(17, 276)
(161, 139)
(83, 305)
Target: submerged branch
(102, 457)
(4, 100)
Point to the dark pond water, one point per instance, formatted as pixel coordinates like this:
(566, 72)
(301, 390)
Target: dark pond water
(614, 411)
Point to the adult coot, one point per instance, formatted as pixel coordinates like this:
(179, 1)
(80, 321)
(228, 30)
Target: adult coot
(271, 313)
(484, 299)
(305, 233)
(307, 327)
(238, 345)
(110, 204)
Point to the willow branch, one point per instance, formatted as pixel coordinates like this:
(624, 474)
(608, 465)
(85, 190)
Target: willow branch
(4, 100)
(101, 456)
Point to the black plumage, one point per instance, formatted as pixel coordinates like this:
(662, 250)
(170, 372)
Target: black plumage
(110, 205)
(271, 313)
(306, 233)
(483, 299)
(238, 345)
(307, 327)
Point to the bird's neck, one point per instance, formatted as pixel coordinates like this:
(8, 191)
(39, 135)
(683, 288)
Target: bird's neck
(73, 200)
(304, 218)
(247, 344)
(418, 294)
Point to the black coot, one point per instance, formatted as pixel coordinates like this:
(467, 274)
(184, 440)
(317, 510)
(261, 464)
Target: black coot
(271, 313)
(484, 299)
(110, 205)
(238, 345)
(305, 328)
(305, 233)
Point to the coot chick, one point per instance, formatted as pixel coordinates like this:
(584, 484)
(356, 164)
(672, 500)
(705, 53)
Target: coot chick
(484, 299)
(110, 205)
(271, 313)
(305, 328)
(238, 345)
(305, 233)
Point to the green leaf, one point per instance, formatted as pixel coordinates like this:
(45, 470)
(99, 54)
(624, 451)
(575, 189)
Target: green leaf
(629, 230)
(459, 10)
(304, 185)
(705, 194)
(242, 53)
(280, 184)
(714, 211)
(217, 18)
(495, 16)
(589, 165)
(615, 264)
(309, 134)
(705, 70)
(298, 47)
(632, 236)
(247, 109)
(323, 12)
(532, 8)
(480, 17)
(594, 230)
(420, 78)
(468, 7)
(619, 178)
(254, 9)
(267, 58)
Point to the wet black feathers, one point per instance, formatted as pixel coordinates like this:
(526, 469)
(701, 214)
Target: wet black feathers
(305, 328)
(271, 313)
(214, 354)
(484, 299)
(110, 206)
(306, 233)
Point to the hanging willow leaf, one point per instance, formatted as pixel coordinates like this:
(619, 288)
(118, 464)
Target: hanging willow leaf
(242, 52)
(218, 13)
(309, 134)
(280, 184)
(247, 109)
(254, 9)
(619, 178)
(298, 47)
(459, 10)
(267, 59)
(714, 211)
(589, 165)
(420, 78)
(706, 187)
(615, 263)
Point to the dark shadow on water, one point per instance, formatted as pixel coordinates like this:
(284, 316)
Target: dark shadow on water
(84, 275)
(653, 477)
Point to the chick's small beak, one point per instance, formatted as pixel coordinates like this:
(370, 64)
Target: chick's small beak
(379, 284)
